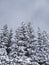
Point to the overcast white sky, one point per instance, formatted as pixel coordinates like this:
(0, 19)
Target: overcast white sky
(13, 12)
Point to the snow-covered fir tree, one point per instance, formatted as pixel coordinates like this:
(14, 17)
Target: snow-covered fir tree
(41, 48)
(8, 45)
(25, 48)
(30, 41)
(4, 36)
(46, 45)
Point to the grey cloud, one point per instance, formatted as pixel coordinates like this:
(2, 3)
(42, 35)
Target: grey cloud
(13, 12)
